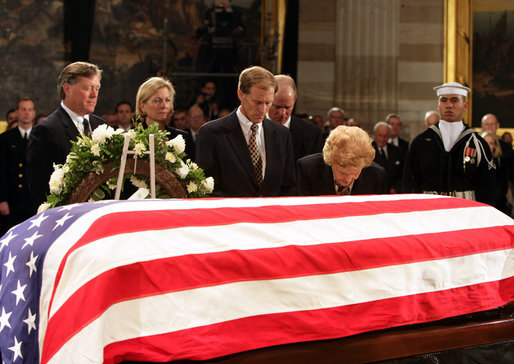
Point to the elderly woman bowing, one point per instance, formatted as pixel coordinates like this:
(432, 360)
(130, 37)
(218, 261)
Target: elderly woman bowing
(345, 167)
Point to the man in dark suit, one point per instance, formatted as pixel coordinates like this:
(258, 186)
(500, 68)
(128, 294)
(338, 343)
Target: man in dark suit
(395, 123)
(50, 140)
(14, 192)
(346, 166)
(247, 154)
(306, 136)
(388, 156)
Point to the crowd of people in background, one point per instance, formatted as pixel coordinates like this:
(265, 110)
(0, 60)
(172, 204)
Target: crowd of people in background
(262, 148)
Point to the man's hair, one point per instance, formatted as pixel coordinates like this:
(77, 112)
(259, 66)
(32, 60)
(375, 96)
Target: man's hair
(288, 81)
(432, 112)
(484, 118)
(349, 147)
(256, 75)
(335, 109)
(381, 123)
(21, 99)
(150, 87)
(73, 71)
(392, 115)
(123, 103)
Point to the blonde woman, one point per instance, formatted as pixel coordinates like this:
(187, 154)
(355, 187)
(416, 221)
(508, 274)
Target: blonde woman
(154, 104)
(345, 167)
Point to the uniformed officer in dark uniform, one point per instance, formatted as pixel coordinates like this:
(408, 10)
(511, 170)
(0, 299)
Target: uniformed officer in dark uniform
(15, 206)
(450, 158)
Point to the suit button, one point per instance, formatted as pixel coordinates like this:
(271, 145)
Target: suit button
(20, 175)
(20, 165)
(20, 186)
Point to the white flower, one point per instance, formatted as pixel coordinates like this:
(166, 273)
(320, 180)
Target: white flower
(140, 148)
(56, 181)
(208, 184)
(43, 207)
(178, 143)
(70, 157)
(119, 131)
(131, 133)
(182, 171)
(193, 166)
(111, 185)
(95, 150)
(170, 157)
(139, 183)
(66, 168)
(102, 133)
(192, 187)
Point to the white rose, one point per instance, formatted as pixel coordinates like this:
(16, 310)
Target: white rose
(66, 168)
(140, 148)
(193, 166)
(43, 207)
(170, 157)
(56, 181)
(95, 149)
(102, 133)
(182, 171)
(208, 184)
(192, 187)
(178, 143)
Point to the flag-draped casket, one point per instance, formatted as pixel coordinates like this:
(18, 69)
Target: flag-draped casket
(161, 280)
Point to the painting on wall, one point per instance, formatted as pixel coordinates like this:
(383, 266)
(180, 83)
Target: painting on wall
(179, 39)
(493, 69)
(32, 53)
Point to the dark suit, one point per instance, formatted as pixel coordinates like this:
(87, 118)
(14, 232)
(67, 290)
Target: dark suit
(13, 178)
(315, 178)
(306, 138)
(49, 143)
(222, 152)
(403, 145)
(393, 167)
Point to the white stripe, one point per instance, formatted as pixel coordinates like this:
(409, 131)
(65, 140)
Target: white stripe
(209, 305)
(93, 259)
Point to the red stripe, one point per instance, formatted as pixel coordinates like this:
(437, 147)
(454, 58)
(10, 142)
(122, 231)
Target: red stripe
(135, 221)
(200, 270)
(206, 342)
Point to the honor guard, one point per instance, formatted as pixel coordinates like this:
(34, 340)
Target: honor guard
(450, 158)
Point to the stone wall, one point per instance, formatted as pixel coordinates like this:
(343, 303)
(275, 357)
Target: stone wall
(371, 58)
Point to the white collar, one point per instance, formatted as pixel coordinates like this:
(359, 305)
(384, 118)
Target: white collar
(450, 132)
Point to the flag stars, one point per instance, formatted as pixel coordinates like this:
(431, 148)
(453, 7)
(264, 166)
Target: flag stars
(32, 263)
(37, 222)
(10, 264)
(62, 220)
(4, 319)
(30, 240)
(5, 241)
(18, 292)
(16, 348)
(30, 321)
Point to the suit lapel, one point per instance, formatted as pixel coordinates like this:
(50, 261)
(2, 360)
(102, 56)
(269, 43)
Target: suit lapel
(68, 126)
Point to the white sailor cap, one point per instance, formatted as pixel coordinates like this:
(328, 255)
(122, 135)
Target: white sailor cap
(452, 88)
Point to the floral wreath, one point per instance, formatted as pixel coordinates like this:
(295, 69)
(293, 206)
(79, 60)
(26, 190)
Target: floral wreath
(106, 145)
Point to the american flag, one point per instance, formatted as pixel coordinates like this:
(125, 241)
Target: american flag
(162, 280)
